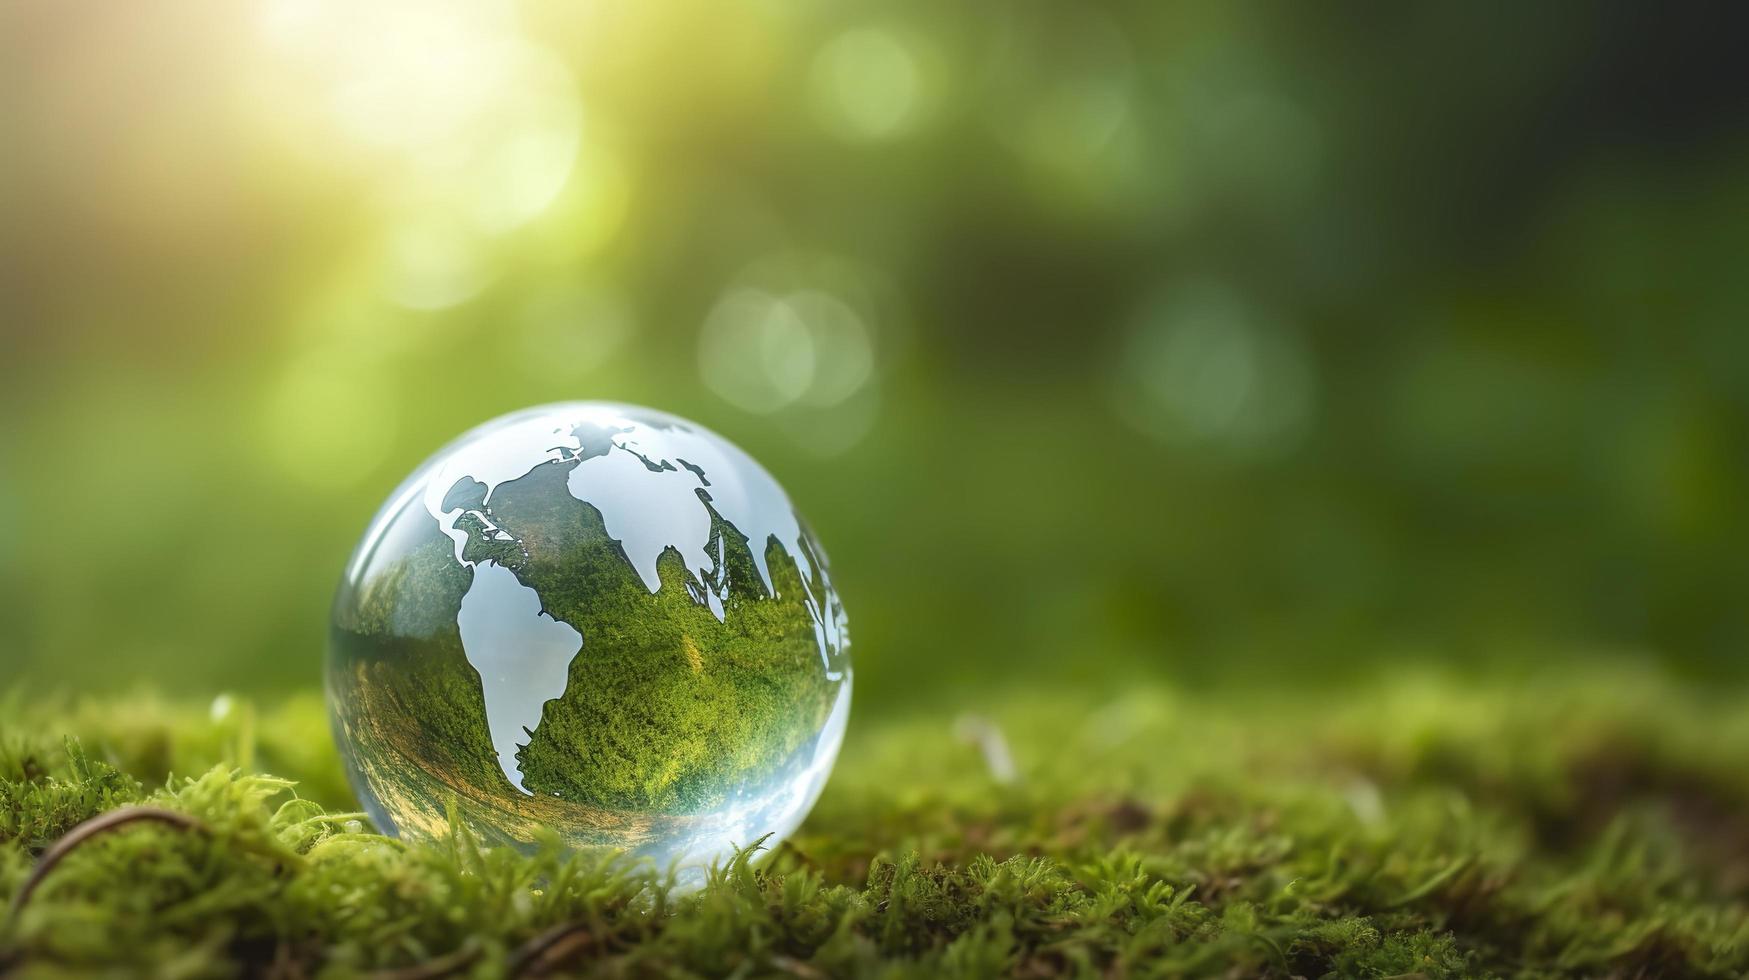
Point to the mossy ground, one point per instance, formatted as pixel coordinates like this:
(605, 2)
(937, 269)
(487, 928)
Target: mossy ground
(1415, 828)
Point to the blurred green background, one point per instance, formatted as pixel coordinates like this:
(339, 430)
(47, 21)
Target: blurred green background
(1199, 343)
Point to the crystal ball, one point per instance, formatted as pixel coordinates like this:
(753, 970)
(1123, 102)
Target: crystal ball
(595, 621)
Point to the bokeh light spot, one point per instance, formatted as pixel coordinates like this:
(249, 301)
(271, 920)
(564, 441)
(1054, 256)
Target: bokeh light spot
(839, 340)
(433, 263)
(865, 84)
(589, 212)
(786, 350)
(1073, 110)
(755, 352)
(528, 144)
(438, 106)
(1202, 365)
(764, 350)
(398, 74)
(1267, 146)
(1061, 94)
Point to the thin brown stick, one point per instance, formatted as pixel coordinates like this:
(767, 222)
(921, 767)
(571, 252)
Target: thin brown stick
(550, 948)
(796, 968)
(101, 824)
(442, 966)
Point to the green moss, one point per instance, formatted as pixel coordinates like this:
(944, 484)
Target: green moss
(1408, 829)
(44, 795)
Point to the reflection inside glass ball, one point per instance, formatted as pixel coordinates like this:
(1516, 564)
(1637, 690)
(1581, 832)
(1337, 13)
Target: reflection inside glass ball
(593, 620)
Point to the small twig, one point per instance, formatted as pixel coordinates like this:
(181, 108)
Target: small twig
(101, 824)
(550, 948)
(796, 968)
(442, 966)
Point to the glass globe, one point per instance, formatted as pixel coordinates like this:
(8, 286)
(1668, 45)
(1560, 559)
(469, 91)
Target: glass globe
(592, 620)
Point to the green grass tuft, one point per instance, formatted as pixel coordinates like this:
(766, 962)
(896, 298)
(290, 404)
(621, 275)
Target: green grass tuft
(1415, 829)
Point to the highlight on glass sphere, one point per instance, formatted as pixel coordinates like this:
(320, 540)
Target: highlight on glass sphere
(595, 620)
